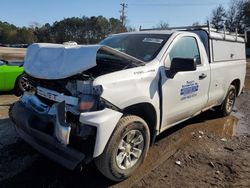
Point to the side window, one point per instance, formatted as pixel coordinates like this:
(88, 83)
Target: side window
(185, 47)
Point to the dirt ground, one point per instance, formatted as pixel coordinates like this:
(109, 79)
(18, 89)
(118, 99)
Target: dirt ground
(208, 159)
(12, 53)
(205, 151)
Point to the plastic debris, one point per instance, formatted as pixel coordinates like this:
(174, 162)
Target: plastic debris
(211, 164)
(223, 139)
(178, 163)
(201, 132)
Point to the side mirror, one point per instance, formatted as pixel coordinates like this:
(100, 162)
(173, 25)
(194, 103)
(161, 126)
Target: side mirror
(181, 65)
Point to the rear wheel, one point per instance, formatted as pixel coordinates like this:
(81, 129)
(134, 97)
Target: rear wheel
(126, 149)
(227, 106)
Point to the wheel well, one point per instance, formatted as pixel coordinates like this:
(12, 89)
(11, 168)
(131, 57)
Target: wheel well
(147, 112)
(236, 84)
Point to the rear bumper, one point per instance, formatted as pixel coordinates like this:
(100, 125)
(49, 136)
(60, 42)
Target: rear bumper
(29, 124)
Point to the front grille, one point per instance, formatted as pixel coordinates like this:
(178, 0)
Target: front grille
(55, 85)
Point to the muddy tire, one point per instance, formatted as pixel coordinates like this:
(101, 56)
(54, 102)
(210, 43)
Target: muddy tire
(227, 106)
(126, 149)
(21, 85)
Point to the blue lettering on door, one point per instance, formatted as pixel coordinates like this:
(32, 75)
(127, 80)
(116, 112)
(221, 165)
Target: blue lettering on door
(189, 90)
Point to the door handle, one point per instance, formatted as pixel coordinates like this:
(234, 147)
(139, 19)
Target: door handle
(202, 76)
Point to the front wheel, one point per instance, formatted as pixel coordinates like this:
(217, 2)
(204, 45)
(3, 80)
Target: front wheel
(126, 149)
(227, 106)
(21, 85)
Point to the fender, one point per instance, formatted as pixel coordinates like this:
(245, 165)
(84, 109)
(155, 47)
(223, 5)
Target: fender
(105, 121)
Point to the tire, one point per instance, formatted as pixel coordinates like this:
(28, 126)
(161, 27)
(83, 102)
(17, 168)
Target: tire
(227, 106)
(114, 161)
(19, 85)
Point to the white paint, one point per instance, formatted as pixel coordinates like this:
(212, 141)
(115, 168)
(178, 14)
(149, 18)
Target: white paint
(175, 109)
(231, 50)
(58, 61)
(140, 84)
(105, 121)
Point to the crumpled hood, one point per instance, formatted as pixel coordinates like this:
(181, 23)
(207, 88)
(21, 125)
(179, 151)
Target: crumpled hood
(58, 61)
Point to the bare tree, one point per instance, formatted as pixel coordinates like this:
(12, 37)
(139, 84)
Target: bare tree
(34, 25)
(162, 25)
(196, 24)
(130, 29)
(246, 13)
(235, 15)
(218, 17)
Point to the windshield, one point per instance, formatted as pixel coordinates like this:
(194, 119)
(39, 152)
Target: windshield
(141, 46)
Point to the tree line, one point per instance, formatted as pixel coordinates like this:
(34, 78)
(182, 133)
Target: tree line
(89, 30)
(85, 30)
(236, 16)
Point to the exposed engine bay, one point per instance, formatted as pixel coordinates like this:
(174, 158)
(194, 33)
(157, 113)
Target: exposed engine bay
(67, 98)
(78, 91)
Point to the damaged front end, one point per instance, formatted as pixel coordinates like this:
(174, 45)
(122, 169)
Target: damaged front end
(65, 116)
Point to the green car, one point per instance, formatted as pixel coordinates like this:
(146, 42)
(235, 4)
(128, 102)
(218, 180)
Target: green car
(12, 77)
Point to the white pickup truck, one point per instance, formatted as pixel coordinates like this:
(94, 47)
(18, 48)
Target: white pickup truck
(108, 102)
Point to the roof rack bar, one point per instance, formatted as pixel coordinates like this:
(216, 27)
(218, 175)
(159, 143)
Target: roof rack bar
(172, 28)
(205, 26)
(246, 36)
(209, 27)
(224, 28)
(236, 33)
(140, 28)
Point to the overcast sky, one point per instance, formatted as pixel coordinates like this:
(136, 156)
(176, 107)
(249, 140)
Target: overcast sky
(147, 13)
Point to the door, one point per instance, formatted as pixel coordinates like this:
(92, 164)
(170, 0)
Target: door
(186, 93)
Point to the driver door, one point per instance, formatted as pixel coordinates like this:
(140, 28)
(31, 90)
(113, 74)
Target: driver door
(187, 92)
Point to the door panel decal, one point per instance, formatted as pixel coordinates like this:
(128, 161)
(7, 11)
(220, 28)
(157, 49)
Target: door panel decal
(189, 90)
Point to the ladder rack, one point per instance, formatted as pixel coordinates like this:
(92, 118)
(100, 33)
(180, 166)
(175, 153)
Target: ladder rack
(206, 27)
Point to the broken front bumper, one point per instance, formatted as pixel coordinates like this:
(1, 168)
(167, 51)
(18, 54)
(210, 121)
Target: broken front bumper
(29, 124)
(40, 131)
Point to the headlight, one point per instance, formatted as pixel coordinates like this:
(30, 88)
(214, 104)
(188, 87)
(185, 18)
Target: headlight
(87, 103)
